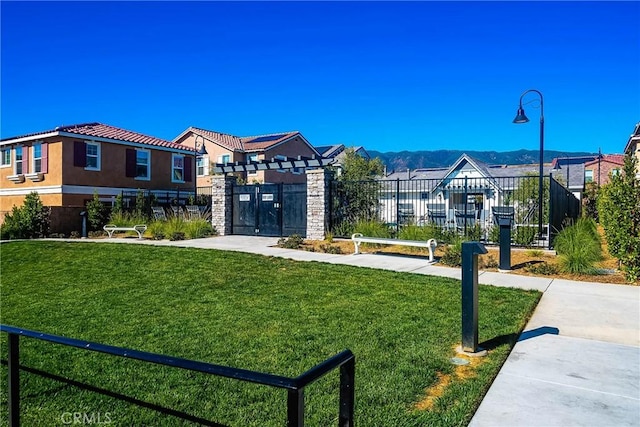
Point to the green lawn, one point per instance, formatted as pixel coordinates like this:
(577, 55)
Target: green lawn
(247, 311)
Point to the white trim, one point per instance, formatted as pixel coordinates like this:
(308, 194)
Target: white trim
(99, 161)
(205, 166)
(79, 136)
(29, 138)
(35, 176)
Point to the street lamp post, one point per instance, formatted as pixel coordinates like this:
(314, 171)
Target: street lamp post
(199, 153)
(522, 118)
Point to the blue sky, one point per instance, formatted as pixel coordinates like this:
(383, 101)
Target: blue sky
(387, 75)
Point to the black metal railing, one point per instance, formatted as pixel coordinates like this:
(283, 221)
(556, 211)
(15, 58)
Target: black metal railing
(459, 205)
(295, 386)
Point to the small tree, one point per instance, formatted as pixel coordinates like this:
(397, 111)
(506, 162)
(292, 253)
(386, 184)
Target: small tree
(30, 221)
(590, 201)
(358, 168)
(619, 212)
(96, 213)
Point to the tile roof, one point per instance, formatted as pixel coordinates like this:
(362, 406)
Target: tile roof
(228, 141)
(99, 130)
(244, 143)
(611, 158)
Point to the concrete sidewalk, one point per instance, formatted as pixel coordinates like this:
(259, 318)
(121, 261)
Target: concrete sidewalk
(577, 363)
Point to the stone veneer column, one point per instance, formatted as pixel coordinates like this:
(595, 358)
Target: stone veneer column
(221, 203)
(318, 192)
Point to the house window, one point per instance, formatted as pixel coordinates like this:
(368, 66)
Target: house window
(201, 165)
(18, 163)
(588, 175)
(143, 164)
(37, 157)
(253, 158)
(615, 172)
(5, 157)
(224, 159)
(177, 169)
(92, 156)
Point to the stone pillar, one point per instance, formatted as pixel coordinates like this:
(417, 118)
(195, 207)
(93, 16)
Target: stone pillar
(318, 194)
(221, 203)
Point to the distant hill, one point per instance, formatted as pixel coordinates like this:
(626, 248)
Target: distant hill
(445, 158)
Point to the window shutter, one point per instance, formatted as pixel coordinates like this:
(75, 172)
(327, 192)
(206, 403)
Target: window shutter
(188, 169)
(45, 158)
(25, 159)
(130, 163)
(79, 154)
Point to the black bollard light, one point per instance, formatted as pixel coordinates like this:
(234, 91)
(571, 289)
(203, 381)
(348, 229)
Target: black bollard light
(470, 252)
(83, 214)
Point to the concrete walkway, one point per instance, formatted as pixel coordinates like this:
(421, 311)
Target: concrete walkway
(577, 363)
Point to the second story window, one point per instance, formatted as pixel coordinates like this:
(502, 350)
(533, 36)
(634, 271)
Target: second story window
(202, 163)
(17, 169)
(138, 164)
(224, 159)
(37, 157)
(5, 157)
(93, 156)
(588, 176)
(177, 169)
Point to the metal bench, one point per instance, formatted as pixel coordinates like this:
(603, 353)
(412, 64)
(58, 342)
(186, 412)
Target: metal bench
(430, 244)
(112, 228)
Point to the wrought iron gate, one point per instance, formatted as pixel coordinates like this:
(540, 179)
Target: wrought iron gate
(270, 209)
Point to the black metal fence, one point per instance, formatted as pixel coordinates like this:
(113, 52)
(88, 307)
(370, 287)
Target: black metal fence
(295, 386)
(142, 200)
(459, 206)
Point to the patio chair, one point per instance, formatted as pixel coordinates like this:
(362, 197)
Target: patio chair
(462, 218)
(158, 213)
(177, 211)
(193, 212)
(437, 217)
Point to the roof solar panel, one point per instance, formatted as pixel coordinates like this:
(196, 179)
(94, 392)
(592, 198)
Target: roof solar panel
(267, 138)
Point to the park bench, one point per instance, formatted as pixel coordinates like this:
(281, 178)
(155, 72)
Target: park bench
(111, 228)
(430, 244)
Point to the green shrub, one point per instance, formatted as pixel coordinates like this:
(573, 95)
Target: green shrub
(525, 235)
(292, 242)
(579, 247)
(175, 228)
(344, 229)
(488, 261)
(494, 234)
(328, 237)
(534, 253)
(330, 249)
(453, 254)
(544, 268)
(157, 230)
(198, 228)
(372, 229)
(618, 206)
(124, 219)
(97, 213)
(29, 221)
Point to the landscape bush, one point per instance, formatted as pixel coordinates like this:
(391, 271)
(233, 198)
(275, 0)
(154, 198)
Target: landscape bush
(579, 247)
(619, 212)
(97, 213)
(292, 242)
(452, 255)
(525, 235)
(29, 221)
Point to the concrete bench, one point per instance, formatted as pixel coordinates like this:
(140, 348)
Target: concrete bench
(430, 244)
(111, 228)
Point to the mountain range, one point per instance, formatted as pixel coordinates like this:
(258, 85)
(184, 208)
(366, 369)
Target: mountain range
(398, 161)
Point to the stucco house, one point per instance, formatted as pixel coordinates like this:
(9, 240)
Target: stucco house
(633, 147)
(66, 165)
(224, 148)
